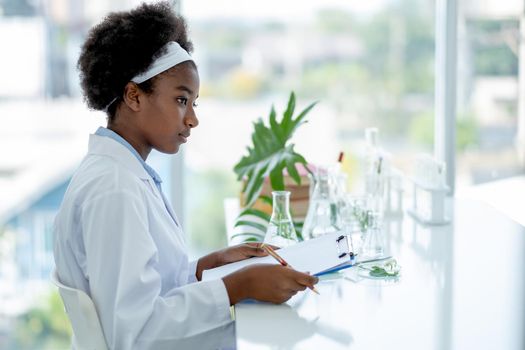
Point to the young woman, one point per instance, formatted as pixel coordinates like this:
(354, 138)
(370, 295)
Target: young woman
(116, 236)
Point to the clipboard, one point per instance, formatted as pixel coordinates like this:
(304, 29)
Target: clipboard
(315, 256)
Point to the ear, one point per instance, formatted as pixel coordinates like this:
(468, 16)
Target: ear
(132, 96)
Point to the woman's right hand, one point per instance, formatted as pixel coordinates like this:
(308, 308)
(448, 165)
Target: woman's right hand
(267, 282)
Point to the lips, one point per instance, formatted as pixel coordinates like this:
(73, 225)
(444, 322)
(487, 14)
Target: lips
(184, 136)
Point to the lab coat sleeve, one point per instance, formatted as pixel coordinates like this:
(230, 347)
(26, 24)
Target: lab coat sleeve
(125, 286)
(192, 274)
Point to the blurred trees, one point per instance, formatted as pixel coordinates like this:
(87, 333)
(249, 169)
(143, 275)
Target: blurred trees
(45, 326)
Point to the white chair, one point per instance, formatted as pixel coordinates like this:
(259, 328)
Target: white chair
(87, 331)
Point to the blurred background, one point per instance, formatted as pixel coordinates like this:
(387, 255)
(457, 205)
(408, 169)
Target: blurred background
(368, 64)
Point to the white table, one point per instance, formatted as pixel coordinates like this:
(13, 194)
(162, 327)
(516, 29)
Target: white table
(462, 286)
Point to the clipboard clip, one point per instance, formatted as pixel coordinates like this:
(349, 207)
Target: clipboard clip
(343, 247)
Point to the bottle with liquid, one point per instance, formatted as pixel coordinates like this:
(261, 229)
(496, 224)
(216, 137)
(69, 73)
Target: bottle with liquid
(373, 244)
(281, 231)
(322, 216)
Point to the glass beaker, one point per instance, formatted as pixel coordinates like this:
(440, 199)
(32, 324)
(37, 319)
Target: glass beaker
(281, 231)
(354, 219)
(322, 210)
(374, 243)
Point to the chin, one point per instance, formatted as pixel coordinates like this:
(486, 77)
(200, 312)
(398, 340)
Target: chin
(169, 150)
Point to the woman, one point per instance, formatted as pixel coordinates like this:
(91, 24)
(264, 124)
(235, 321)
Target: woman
(117, 237)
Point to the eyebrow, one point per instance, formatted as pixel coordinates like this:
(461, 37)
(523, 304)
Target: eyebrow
(185, 88)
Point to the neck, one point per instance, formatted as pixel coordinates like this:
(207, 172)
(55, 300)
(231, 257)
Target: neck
(125, 129)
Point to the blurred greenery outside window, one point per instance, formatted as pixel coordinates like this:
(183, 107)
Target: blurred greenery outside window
(44, 327)
(487, 103)
(366, 70)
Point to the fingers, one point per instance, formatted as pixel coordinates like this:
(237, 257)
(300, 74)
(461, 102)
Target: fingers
(284, 295)
(256, 249)
(261, 244)
(276, 283)
(296, 280)
(310, 280)
(301, 287)
(306, 280)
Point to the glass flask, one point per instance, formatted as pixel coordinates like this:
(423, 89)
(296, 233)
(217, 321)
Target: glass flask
(340, 181)
(376, 168)
(322, 211)
(373, 244)
(349, 218)
(281, 231)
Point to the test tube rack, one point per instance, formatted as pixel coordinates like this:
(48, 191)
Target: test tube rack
(429, 192)
(428, 204)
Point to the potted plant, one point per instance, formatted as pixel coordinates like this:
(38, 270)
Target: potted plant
(271, 158)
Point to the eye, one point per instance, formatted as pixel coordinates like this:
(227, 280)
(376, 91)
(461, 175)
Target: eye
(182, 100)
(195, 104)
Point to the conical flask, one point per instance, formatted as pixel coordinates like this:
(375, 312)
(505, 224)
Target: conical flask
(281, 231)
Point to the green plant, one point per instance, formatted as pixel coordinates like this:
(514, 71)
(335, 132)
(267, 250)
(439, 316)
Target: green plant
(362, 217)
(44, 326)
(389, 268)
(269, 155)
(210, 186)
(421, 130)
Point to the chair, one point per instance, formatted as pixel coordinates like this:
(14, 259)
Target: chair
(87, 331)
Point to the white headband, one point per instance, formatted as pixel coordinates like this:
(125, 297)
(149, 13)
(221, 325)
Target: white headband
(174, 55)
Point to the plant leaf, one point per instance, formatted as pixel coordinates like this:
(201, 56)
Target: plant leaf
(275, 126)
(253, 235)
(277, 178)
(269, 153)
(266, 199)
(300, 118)
(292, 171)
(255, 212)
(298, 226)
(287, 122)
(255, 225)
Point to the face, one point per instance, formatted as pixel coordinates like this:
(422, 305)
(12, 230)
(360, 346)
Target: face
(168, 113)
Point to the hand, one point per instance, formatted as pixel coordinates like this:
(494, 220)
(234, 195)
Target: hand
(267, 282)
(229, 255)
(240, 252)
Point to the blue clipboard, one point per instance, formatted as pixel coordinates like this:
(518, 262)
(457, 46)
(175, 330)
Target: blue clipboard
(351, 263)
(342, 266)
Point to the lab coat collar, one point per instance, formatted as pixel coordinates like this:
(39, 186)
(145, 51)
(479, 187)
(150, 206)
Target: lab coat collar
(106, 146)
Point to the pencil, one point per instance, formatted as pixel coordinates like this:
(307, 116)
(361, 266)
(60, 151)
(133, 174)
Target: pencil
(281, 261)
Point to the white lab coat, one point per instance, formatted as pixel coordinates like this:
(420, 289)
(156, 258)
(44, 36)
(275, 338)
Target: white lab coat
(115, 240)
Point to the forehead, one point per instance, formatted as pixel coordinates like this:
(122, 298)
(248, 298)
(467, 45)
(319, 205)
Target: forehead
(184, 74)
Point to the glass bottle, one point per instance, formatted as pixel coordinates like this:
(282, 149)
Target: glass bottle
(281, 231)
(373, 244)
(322, 210)
(375, 167)
(372, 152)
(340, 193)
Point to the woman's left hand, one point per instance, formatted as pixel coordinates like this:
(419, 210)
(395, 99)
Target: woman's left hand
(229, 255)
(240, 252)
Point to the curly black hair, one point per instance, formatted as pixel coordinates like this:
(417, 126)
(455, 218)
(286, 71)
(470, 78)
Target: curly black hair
(123, 45)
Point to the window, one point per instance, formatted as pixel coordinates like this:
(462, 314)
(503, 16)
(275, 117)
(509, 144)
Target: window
(367, 64)
(488, 91)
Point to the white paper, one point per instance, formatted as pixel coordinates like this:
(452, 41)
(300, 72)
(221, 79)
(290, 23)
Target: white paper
(313, 256)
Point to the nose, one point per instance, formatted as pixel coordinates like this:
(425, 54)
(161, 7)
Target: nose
(191, 119)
